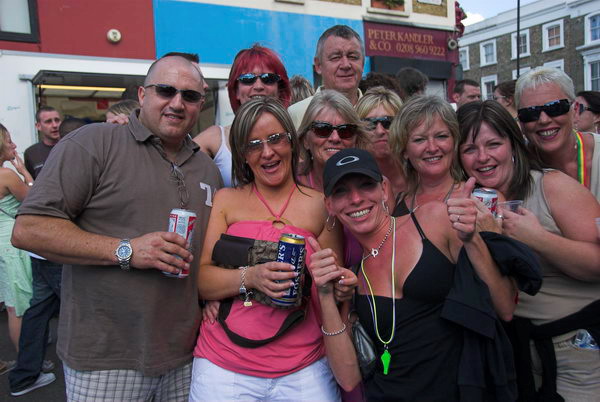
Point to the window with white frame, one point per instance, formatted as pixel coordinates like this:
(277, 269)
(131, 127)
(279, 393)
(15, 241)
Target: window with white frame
(552, 35)
(487, 51)
(592, 28)
(522, 71)
(487, 86)
(463, 57)
(591, 70)
(595, 75)
(523, 44)
(560, 64)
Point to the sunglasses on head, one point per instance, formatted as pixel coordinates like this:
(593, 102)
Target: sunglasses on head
(582, 108)
(324, 130)
(168, 92)
(385, 121)
(255, 146)
(552, 109)
(266, 78)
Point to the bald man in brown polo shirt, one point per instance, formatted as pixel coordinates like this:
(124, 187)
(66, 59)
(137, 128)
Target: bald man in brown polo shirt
(126, 331)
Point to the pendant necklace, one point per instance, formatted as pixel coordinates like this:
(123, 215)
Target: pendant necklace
(375, 251)
(386, 356)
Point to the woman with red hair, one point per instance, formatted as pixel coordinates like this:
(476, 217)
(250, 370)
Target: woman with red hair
(255, 72)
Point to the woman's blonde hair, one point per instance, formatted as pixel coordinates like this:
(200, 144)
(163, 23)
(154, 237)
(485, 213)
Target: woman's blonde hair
(245, 118)
(416, 111)
(333, 100)
(375, 97)
(3, 137)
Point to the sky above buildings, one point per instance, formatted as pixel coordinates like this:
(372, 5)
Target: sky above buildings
(478, 10)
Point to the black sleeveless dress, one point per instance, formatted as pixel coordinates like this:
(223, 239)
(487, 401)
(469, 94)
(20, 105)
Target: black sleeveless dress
(426, 348)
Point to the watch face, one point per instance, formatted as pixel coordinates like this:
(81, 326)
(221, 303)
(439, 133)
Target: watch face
(123, 252)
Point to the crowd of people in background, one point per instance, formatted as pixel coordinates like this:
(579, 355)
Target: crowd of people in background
(413, 289)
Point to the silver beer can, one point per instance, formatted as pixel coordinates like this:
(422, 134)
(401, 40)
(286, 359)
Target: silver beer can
(489, 197)
(182, 221)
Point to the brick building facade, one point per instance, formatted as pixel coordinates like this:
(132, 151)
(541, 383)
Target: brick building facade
(555, 33)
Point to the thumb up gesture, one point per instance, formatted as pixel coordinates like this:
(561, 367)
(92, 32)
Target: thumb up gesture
(462, 211)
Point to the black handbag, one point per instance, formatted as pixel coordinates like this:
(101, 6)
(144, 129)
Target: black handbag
(363, 344)
(232, 252)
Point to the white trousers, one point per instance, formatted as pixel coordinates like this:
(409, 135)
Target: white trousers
(213, 383)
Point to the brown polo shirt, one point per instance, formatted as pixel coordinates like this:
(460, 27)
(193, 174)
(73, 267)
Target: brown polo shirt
(114, 180)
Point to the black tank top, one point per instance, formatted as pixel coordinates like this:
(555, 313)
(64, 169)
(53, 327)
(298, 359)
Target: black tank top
(426, 348)
(401, 208)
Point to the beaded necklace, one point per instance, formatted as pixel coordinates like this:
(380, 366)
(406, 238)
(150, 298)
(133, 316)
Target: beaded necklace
(581, 168)
(386, 356)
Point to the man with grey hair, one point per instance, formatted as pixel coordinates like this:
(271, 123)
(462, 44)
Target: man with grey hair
(126, 331)
(339, 60)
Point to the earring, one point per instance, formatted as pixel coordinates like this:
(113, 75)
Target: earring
(329, 228)
(512, 158)
(385, 207)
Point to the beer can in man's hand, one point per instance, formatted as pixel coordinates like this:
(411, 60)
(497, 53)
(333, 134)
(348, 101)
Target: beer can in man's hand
(489, 197)
(181, 221)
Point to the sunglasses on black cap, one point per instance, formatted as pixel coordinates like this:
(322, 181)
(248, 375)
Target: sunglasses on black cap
(385, 121)
(552, 109)
(324, 130)
(167, 91)
(266, 78)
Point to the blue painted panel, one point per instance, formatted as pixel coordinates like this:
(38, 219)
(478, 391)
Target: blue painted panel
(217, 33)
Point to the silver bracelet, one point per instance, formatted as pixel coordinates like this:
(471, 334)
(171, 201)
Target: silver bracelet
(243, 280)
(243, 291)
(339, 331)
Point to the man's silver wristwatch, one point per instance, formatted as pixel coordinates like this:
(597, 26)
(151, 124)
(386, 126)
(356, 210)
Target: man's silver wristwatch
(123, 253)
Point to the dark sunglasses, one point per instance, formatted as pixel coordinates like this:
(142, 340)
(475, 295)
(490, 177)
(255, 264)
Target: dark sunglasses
(324, 130)
(552, 109)
(255, 146)
(582, 108)
(385, 121)
(266, 78)
(168, 92)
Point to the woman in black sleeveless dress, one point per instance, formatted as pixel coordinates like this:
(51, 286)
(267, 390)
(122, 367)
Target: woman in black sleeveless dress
(403, 281)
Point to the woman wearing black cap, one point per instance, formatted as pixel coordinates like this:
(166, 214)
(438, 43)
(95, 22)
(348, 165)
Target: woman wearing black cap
(405, 278)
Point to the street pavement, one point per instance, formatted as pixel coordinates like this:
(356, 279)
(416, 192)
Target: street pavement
(54, 392)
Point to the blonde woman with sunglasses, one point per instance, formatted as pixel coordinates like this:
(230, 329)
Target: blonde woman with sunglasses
(544, 98)
(329, 125)
(377, 109)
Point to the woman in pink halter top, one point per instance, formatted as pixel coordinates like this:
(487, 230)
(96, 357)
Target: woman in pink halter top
(267, 202)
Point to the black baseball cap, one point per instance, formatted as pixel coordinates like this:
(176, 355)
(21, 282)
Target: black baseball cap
(348, 161)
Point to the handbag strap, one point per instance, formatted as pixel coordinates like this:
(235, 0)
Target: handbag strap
(292, 319)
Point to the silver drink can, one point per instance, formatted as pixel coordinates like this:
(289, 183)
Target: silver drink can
(181, 221)
(291, 249)
(489, 197)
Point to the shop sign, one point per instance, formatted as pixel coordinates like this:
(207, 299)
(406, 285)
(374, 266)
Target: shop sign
(405, 42)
